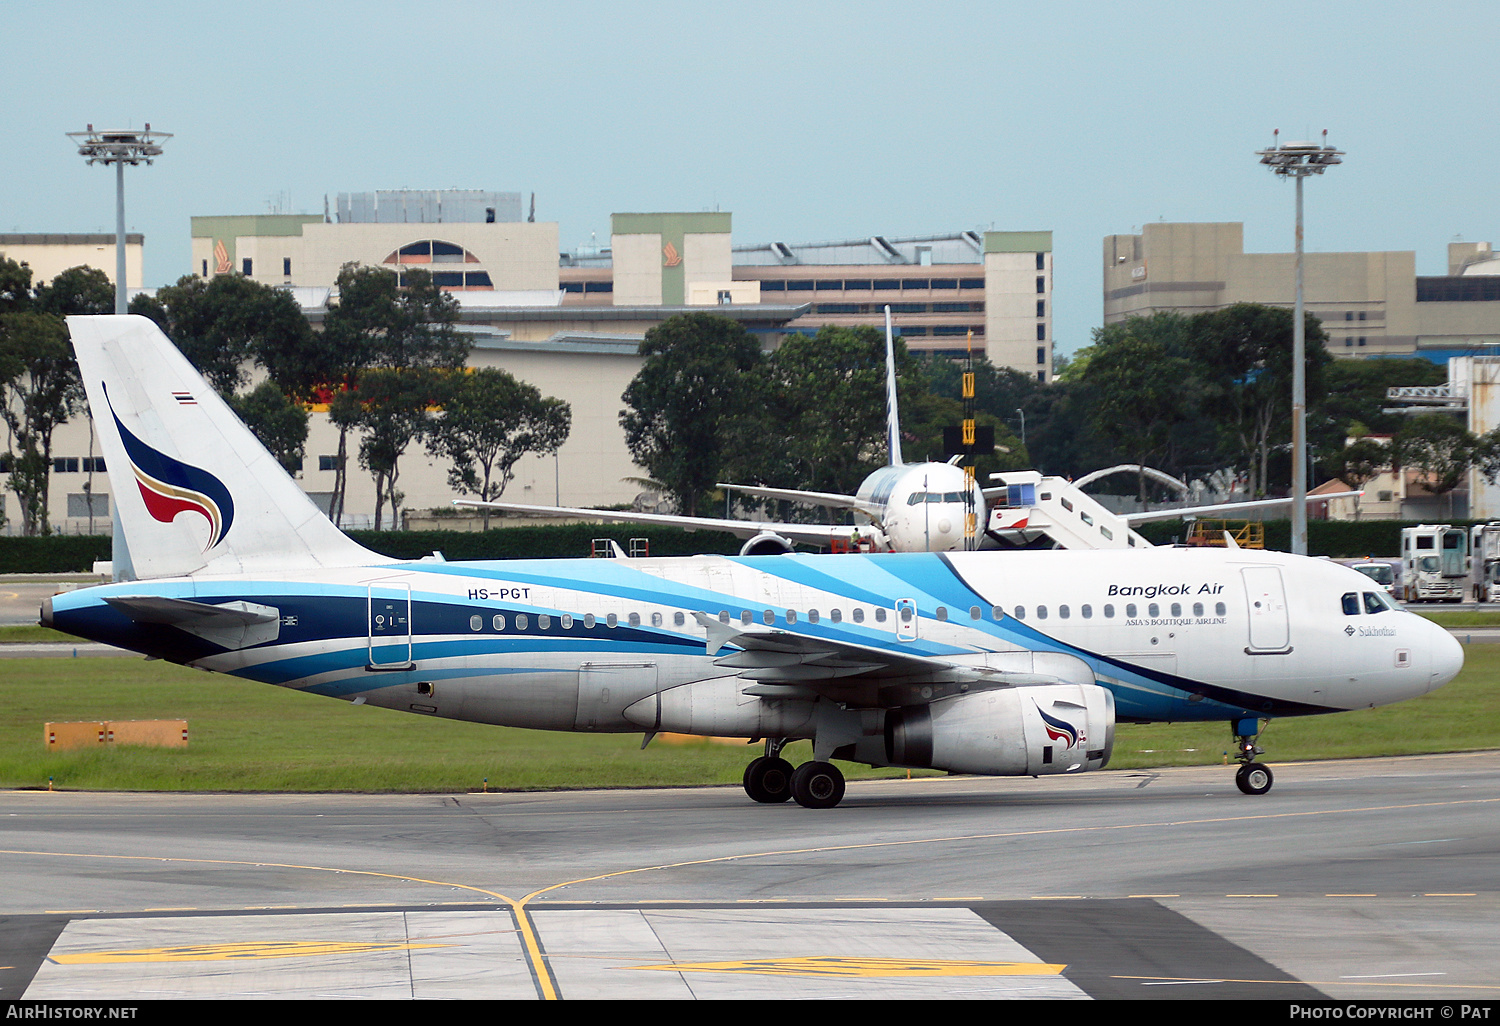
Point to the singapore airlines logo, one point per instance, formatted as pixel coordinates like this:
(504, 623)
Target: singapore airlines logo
(1060, 730)
(671, 256)
(221, 258)
(170, 487)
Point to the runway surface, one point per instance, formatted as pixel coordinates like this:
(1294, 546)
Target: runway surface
(1374, 879)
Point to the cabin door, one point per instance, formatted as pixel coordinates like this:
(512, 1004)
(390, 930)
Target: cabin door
(389, 616)
(1265, 596)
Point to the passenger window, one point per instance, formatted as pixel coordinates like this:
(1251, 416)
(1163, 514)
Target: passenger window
(769, 616)
(1220, 609)
(1153, 610)
(1041, 612)
(1130, 610)
(1197, 608)
(812, 616)
(1351, 603)
(610, 620)
(723, 616)
(1020, 612)
(677, 619)
(588, 621)
(859, 616)
(521, 621)
(942, 614)
(635, 619)
(1373, 603)
(745, 617)
(791, 616)
(499, 622)
(997, 613)
(1062, 612)
(544, 621)
(974, 613)
(655, 620)
(567, 621)
(476, 622)
(837, 616)
(880, 616)
(1087, 611)
(1109, 612)
(1176, 608)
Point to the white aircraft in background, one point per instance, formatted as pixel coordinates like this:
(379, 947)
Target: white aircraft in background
(902, 507)
(924, 507)
(970, 662)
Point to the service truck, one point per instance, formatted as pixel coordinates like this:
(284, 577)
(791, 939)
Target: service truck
(1484, 560)
(1434, 563)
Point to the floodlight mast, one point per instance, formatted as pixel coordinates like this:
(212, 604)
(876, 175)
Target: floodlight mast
(1297, 160)
(126, 146)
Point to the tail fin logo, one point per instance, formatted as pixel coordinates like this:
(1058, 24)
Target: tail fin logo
(169, 486)
(1060, 730)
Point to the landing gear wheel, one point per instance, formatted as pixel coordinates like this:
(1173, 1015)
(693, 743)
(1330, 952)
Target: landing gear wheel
(1254, 778)
(817, 785)
(769, 780)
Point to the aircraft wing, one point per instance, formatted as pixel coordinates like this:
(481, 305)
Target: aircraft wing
(1225, 508)
(809, 534)
(835, 500)
(780, 664)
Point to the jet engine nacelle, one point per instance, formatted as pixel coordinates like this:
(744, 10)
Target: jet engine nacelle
(1048, 728)
(767, 543)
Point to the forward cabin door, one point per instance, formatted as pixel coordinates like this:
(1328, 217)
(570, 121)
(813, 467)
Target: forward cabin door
(1265, 597)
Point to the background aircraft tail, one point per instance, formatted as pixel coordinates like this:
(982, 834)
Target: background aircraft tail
(194, 490)
(892, 416)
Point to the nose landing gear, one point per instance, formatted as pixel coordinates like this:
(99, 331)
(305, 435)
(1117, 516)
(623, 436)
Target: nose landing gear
(1252, 777)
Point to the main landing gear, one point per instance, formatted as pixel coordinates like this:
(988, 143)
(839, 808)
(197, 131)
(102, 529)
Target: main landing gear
(1252, 777)
(771, 780)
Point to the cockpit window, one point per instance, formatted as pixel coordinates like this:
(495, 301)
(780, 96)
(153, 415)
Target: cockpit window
(1351, 603)
(1374, 603)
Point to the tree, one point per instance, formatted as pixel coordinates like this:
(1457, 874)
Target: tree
(78, 290)
(41, 389)
(396, 325)
(1439, 447)
(223, 323)
(681, 402)
(1138, 374)
(818, 417)
(489, 421)
(1243, 354)
(15, 285)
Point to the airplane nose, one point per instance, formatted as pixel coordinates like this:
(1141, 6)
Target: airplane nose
(1447, 658)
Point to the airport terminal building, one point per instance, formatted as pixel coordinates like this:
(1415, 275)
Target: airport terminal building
(1371, 304)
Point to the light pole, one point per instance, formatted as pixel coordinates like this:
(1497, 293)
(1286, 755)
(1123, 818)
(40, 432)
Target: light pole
(119, 148)
(1297, 160)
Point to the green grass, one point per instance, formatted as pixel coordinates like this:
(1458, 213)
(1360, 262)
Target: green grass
(254, 737)
(1464, 618)
(31, 633)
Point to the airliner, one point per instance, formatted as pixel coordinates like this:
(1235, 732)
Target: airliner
(900, 507)
(1016, 663)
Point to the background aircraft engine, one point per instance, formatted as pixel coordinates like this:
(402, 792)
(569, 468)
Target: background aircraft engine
(1051, 728)
(767, 543)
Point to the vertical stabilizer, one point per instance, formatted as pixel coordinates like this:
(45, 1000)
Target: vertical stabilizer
(892, 416)
(194, 490)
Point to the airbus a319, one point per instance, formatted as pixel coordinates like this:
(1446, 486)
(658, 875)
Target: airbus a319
(972, 662)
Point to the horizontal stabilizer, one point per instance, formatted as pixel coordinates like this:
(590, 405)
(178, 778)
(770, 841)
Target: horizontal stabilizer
(230, 625)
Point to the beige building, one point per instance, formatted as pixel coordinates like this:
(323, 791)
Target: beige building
(50, 255)
(1371, 304)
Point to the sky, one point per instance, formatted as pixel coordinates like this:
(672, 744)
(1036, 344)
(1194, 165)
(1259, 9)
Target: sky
(808, 121)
